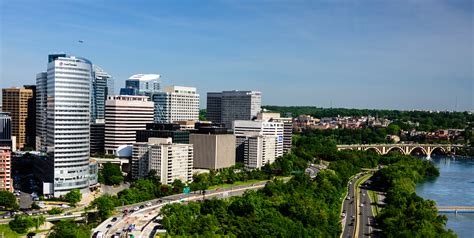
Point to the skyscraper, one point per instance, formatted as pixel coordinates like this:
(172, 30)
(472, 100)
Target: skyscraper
(176, 103)
(124, 116)
(64, 123)
(228, 106)
(15, 101)
(30, 127)
(41, 113)
(102, 86)
(214, 107)
(142, 84)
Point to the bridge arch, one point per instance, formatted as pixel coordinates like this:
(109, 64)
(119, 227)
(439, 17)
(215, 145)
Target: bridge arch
(437, 149)
(395, 148)
(375, 149)
(418, 148)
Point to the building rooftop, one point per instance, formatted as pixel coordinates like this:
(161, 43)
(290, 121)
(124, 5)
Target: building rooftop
(145, 77)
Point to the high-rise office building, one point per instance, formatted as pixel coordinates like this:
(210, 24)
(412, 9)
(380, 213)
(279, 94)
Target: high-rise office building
(97, 138)
(15, 101)
(63, 103)
(124, 116)
(246, 129)
(170, 160)
(102, 86)
(228, 106)
(214, 107)
(30, 127)
(41, 113)
(176, 103)
(142, 84)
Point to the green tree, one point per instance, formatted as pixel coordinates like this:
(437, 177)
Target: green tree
(68, 229)
(111, 173)
(8, 200)
(73, 197)
(55, 211)
(105, 205)
(22, 223)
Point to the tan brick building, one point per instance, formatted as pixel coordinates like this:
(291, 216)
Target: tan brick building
(15, 101)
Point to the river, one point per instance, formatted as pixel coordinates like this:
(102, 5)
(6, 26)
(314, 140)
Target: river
(454, 187)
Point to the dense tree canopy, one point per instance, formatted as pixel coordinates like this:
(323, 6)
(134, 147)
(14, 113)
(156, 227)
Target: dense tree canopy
(110, 174)
(22, 223)
(405, 213)
(73, 197)
(8, 200)
(69, 229)
(308, 208)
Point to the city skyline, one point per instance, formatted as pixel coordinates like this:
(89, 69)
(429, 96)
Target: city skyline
(403, 55)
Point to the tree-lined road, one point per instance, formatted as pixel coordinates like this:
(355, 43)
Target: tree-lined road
(143, 217)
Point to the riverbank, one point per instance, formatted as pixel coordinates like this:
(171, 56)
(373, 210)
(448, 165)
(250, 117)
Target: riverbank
(454, 187)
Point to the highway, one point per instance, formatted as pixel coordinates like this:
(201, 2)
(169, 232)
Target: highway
(366, 217)
(349, 213)
(143, 217)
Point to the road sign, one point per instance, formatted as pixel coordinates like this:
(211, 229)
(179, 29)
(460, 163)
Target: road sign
(186, 190)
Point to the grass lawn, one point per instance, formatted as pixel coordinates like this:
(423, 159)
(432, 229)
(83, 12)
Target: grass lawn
(238, 183)
(5, 231)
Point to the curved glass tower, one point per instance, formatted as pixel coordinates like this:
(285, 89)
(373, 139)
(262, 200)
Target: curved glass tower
(68, 86)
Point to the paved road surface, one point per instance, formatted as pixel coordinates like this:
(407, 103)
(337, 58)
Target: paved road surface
(142, 217)
(349, 208)
(366, 218)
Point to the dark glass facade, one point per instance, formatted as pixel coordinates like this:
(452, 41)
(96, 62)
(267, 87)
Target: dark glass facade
(163, 130)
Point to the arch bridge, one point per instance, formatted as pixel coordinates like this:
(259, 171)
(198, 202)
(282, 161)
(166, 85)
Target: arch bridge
(406, 149)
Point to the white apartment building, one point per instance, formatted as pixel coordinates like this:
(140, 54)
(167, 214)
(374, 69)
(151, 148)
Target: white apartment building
(63, 119)
(259, 150)
(287, 127)
(124, 116)
(170, 161)
(264, 128)
(176, 103)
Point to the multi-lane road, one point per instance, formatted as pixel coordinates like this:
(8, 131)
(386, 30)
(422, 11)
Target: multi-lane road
(357, 216)
(142, 219)
(349, 207)
(366, 217)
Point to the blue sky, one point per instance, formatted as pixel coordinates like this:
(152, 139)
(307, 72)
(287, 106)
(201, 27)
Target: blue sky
(355, 54)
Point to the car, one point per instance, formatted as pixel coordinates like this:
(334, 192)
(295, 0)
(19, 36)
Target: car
(361, 205)
(108, 226)
(114, 219)
(142, 206)
(148, 204)
(348, 198)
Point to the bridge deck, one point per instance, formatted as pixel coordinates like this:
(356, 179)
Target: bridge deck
(456, 209)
